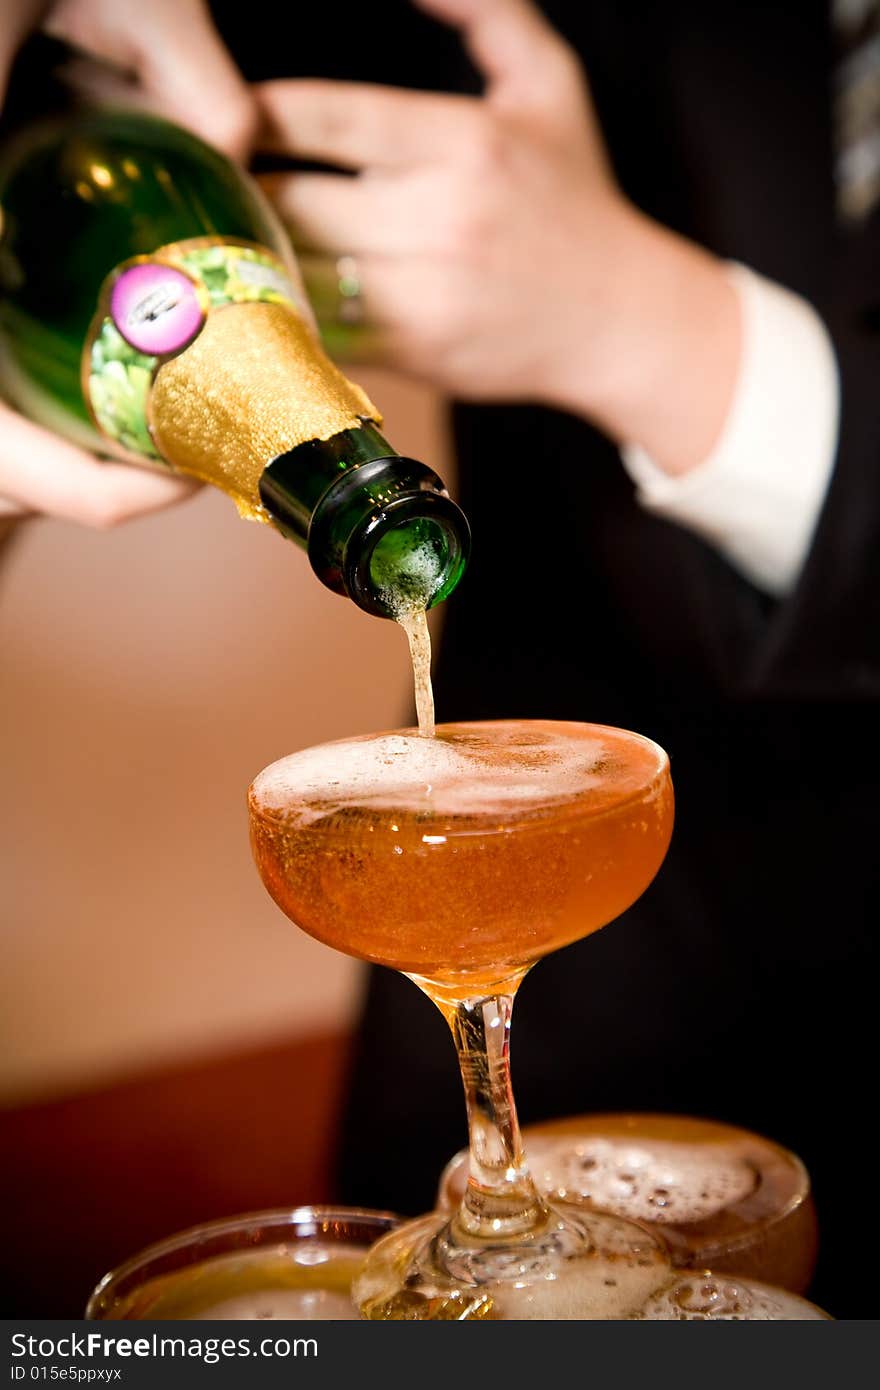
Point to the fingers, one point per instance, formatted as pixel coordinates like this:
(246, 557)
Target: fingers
(353, 124)
(358, 125)
(187, 68)
(405, 301)
(522, 57)
(338, 215)
(40, 473)
(172, 51)
(323, 212)
(389, 289)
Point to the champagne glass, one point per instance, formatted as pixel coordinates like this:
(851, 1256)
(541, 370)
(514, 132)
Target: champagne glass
(268, 1265)
(461, 860)
(721, 1196)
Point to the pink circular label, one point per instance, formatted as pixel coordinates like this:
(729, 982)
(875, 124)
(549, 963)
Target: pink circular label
(156, 308)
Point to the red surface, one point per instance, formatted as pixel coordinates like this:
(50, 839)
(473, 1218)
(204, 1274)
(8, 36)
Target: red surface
(89, 1180)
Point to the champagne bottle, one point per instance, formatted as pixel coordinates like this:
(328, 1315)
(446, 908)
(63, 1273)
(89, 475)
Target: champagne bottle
(150, 310)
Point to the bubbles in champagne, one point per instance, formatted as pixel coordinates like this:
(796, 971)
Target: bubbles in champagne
(721, 1197)
(581, 1291)
(416, 575)
(461, 857)
(704, 1297)
(465, 770)
(579, 1266)
(418, 635)
(664, 1182)
(618, 1267)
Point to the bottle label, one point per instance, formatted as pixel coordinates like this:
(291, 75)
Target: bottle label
(153, 307)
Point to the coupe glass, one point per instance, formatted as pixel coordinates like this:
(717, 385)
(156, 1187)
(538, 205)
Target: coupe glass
(720, 1196)
(461, 860)
(269, 1266)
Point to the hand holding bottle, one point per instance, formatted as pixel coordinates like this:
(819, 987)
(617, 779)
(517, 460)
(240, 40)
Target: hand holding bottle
(170, 60)
(173, 60)
(496, 255)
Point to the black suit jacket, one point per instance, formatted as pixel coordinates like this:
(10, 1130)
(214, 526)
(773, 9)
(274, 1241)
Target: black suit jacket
(743, 985)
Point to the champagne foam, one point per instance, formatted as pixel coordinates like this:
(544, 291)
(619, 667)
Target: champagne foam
(416, 579)
(660, 1182)
(617, 1272)
(706, 1297)
(600, 1289)
(462, 773)
(578, 1266)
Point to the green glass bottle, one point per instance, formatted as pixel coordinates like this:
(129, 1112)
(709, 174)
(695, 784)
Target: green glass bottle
(151, 310)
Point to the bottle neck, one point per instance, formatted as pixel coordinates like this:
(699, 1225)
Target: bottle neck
(294, 483)
(379, 527)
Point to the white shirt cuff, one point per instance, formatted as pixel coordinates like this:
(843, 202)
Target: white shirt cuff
(758, 495)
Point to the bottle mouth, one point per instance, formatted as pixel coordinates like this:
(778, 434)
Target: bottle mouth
(387, 534)
(408, 557)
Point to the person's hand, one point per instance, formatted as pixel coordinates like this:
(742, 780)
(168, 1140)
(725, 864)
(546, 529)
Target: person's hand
(167, 55)
(466, 216)
(495, 253)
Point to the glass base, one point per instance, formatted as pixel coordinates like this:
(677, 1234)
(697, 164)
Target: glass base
(574, 1265)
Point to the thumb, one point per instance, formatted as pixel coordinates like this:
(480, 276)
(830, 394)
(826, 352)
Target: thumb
(523, 58)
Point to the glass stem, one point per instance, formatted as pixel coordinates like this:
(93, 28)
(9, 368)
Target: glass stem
(501, 1198)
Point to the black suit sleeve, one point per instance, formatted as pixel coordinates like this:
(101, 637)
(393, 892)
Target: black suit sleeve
(824, 641)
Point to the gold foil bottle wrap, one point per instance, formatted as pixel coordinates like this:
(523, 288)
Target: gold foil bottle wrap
(253, 384)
